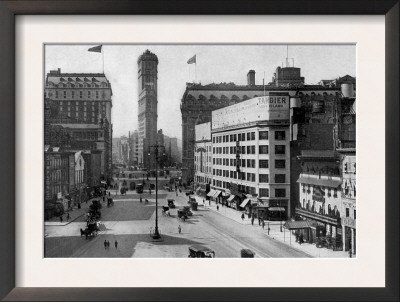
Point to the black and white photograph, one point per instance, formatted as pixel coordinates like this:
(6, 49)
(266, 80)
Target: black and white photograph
(199, 150)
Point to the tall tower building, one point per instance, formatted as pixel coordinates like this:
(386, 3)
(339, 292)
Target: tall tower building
(147, 116)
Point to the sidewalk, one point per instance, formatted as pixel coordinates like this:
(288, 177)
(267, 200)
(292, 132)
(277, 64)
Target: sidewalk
(275, 231)
(74, 214)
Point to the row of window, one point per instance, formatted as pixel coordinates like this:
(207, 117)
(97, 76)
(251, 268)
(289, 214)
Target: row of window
(249, 163)
(307, 189)
(249, 136)
(74, 94)
(262, 149)
(263, 178)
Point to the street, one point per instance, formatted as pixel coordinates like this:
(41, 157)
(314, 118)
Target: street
(130, 222)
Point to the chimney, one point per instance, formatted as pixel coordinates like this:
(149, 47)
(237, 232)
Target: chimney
(251, 78)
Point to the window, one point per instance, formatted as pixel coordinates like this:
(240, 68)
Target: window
(347, 212)
(263, 149)
(243, 151)
(243, 138)
(73, 94)
(280, 178)
(279, 149)
(264, 178)
(65, 94)
(253, 163)
(335, 193)
(263, 163)
(213, 140)
(56, 94)
(280, 164)
(263, 135)
(97, 94)
(248, 136)
(80, 94)
(253, 136)
(280, 135)
(243, 163)
(280, 192)
(354, 214)
(264, 192)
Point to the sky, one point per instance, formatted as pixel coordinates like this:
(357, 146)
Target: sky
(215, 64)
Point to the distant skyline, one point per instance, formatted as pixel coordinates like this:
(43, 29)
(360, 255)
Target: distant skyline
(215, 64)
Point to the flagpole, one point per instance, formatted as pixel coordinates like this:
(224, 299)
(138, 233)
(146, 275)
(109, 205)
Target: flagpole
(102, 54)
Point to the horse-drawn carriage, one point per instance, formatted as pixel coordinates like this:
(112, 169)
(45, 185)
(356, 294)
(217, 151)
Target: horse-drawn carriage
(91, 230)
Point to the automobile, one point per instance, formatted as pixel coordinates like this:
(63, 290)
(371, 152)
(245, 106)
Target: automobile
(171, 203)
(139, 188)
(200, 251)
(246, 253)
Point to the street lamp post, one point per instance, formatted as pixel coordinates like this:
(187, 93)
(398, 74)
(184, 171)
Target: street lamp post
(156, 234)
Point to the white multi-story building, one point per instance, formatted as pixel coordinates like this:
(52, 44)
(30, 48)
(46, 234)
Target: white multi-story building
(203, 158)
(251, 151)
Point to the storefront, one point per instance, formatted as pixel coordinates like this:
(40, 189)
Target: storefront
(349, 234)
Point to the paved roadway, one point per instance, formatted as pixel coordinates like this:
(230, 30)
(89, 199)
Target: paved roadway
(129, 222)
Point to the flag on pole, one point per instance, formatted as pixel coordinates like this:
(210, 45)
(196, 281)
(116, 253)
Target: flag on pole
(96, 48)
(192, 60)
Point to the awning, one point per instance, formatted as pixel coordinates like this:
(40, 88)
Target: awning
(217, 192)
(243, 204)
(320, 182)
(211, 193)
(293, 225)
(280, 209)
(231, 198)
(225, 194)
(198, 189)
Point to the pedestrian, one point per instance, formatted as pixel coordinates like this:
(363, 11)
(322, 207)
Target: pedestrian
(297, 236)
(259, 221)
(109, 193)
(217, 207)
(149, 191)
(209, 202)
(176, 193)
(301, 240)
(179, 229)
(116, 244)
(140, 199)
(108, 244)
(61, 219)
(242, 216)
(252, 220)
(105, 244)
(263, 224)
(68, 216)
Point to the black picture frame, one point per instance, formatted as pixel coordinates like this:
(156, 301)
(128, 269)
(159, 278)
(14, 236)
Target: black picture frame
(8, 10)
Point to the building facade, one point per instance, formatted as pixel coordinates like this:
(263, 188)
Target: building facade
(320, 200)
(200, 100)
(203, 159)
(81, 98)
(147, 116)
(251, 150)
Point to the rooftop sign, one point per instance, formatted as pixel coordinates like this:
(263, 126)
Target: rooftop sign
(269, 107)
